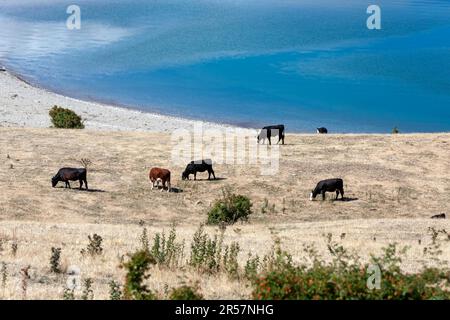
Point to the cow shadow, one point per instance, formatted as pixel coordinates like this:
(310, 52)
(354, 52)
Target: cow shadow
(206, 179)
(172, 189)
(93, 190)
(348, 199)
(82, 190)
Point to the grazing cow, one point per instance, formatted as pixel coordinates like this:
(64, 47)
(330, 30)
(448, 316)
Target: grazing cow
(271, 131)
(159, 174)
(438, 216)
(198, 166)
(329, 185)
(322, 130)
(70, 174)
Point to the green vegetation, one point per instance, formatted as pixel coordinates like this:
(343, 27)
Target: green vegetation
(185, 293)
(137, 268)
(65, 118)
(229, 209)
(346, 278)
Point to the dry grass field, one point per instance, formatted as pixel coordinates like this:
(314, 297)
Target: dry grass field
(393, 184)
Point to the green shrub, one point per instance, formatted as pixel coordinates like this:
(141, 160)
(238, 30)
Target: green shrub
(137, 268)
(395, 130)
(185, 293)
(230, 209)
(65, 118)
(206, 252)
(114, 290)
(346, 279)
(167, 251)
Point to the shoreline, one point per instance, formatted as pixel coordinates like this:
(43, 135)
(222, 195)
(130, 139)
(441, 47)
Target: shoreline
(23, 104)
(26, 104)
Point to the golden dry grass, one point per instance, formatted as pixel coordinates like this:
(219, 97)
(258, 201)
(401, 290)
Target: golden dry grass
(393, 184)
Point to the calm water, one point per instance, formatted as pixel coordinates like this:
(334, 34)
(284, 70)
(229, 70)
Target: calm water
(247, 62)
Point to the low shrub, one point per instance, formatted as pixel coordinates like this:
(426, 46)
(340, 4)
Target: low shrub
(185, 293)
(137, 268)
(346, 279)
(55, 260)
(230, 209)
(166, 250)
(94, 248)
(65, 118)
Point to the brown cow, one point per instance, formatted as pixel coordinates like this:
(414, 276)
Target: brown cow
(159, 174)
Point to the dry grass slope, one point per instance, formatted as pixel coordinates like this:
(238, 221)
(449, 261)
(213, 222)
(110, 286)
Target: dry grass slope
(394, 183)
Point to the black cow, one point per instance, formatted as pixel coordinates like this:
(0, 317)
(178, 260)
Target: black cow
(329, 185)
(271, 131)
(322, 130)
(198, 166)
(70, 174)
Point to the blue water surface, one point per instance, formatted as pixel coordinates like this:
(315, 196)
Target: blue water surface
(246, 62)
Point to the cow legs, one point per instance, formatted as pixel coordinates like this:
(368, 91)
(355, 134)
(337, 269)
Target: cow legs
(169, 187)
(195, 175)
(81, 184)
(342, 194)
(323, 195)
(153, 184)
(68, 184)
(337, 194)
(86, 184)
(212, 171)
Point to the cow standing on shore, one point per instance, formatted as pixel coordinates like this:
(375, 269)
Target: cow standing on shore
(329, 185)
(71, 174)
(159, 174)
(271, 131)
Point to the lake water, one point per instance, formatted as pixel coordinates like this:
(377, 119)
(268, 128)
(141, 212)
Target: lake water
(247, 62)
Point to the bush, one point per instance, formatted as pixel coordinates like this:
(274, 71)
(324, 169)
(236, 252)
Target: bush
(346, 279)
(206, 252)
(395, 130)
(137, 268)
(55, 260)
(185, 293)
(230, 209)
(65, 118)
(166, 250)
(94, 248)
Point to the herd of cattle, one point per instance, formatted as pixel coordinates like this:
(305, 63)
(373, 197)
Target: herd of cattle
(160, 175)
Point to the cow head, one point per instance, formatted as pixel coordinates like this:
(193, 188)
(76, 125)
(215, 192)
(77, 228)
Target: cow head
(54, 181)
(312, 195)
(184, 176)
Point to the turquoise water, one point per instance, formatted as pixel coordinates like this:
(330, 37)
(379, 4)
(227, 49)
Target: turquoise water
(246, 62)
